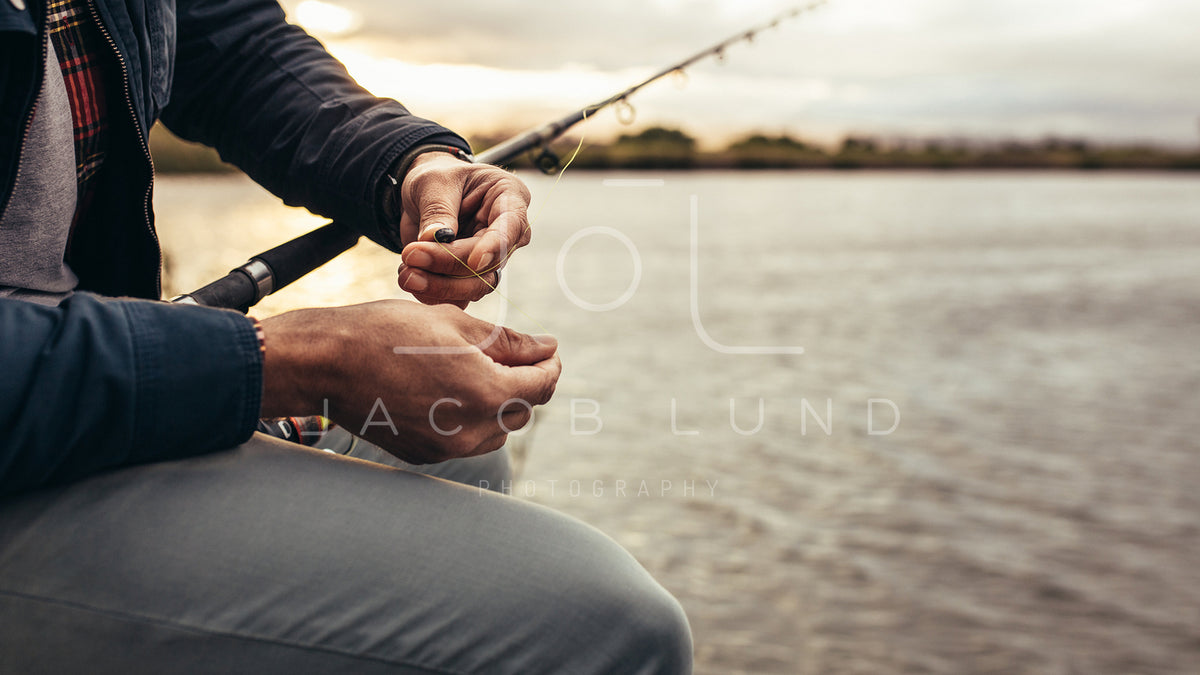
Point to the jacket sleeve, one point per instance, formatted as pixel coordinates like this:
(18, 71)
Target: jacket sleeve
(274, 103)
(95, 384)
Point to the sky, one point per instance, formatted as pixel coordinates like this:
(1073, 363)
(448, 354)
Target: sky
(990, 69)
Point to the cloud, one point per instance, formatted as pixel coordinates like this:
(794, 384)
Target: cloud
(1106, 68)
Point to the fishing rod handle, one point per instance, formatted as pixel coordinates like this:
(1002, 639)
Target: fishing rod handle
(272, 270)
(293, 259)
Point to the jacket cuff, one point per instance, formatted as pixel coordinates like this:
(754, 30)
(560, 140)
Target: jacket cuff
(198, 379)
(396, 163)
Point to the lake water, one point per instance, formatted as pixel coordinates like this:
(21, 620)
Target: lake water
(1036, 508)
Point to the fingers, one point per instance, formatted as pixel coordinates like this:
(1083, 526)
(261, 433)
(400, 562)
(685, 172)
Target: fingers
(507, 224)
(483, 430)
(482, 252)
(438, 189)
(435, 288)
(450, 259)
(514, 348)
(458, 403)
(535, 383)
(502, 216)
(445, 198)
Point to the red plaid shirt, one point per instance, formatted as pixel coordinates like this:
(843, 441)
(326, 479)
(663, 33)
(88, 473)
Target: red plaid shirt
(84, 57)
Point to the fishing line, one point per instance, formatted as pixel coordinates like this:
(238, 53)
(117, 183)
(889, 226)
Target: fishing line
(528, 226)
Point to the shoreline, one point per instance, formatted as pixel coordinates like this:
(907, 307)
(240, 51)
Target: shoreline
(659, 149)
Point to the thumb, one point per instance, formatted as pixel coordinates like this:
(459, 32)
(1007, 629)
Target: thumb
(437, 206)
(514, 348)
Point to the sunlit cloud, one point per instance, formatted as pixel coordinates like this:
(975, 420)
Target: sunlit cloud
(1110, 69)
(463, 84)
(325, 19)
(477, 98)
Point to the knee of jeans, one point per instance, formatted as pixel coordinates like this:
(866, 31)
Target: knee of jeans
(644, 628)
(662, 639)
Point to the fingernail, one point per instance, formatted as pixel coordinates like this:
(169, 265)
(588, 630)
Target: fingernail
(484, 261)
(434, 231)
(419, 258)
(548, 340)
(416, 283)
(444, 235)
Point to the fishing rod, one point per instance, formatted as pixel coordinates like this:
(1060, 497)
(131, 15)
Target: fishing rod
(272, 270)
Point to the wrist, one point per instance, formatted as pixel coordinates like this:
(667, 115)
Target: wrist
(299, 374)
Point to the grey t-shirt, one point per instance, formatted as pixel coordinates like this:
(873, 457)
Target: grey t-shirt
(36, 224)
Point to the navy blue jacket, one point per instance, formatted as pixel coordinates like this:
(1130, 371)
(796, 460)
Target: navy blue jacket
(98, 383)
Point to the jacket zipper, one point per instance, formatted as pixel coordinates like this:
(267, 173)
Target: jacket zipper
(29, 120)
(137, 128)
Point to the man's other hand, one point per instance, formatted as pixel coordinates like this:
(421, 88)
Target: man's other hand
(425, 383)
(485, 207)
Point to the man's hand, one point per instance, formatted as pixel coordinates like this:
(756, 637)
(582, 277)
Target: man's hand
(474, 383)
(484, 206)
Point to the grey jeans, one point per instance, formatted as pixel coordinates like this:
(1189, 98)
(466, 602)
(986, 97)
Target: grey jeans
(271, 558)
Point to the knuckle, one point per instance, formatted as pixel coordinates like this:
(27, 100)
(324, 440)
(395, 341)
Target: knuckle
(436, 209)
(547, 389)
(443, 290)
(544, 394)
(506, 340)
(502, 238)
(524, 342)
(436, 290)
(517, 186)
(518, 420)
(432, 292)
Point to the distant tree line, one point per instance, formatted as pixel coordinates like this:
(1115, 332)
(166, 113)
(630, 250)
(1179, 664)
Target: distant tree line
(663, 148)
